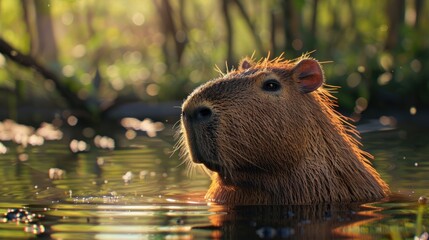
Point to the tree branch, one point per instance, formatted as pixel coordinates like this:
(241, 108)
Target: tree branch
(28, 61)
(395, 15)
(229, 32)
(249, 23)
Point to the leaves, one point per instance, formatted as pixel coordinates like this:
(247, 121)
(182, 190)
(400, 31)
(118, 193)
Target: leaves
(159, 50)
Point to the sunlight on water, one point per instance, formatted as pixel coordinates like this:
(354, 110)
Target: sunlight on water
(131, 187)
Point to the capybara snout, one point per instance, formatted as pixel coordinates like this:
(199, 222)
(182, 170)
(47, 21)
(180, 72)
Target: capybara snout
(201, 114)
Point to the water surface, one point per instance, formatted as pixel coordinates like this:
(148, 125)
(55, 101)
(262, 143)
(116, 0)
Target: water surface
(76, 188)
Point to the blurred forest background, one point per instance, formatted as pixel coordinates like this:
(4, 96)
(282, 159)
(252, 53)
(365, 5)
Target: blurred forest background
(94, 56)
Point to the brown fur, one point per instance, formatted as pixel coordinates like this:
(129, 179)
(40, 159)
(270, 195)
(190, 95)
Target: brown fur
(287, 147)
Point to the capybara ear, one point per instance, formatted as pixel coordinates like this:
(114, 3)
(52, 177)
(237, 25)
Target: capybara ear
(246, 63)
(309, 75)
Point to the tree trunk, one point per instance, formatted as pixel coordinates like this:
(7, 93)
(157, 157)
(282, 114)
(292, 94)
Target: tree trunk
(28, 15)
(171, 31)
(46, 50)
(292, 25)
(30, 62)
(313, 27)
(418, 5)
(395, 15)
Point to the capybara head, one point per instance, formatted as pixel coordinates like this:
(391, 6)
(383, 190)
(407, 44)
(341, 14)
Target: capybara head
(269, 134)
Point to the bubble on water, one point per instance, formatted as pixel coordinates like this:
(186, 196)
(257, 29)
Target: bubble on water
(12, 131)
(56, 173)
(151, 128)
(23, 157)
(18, 216)
(78, 146)
(127, 177)
(49, 132)
(104, 142)
(132, 123)
(100, 161)
(143, 174)
(423, 200)
(36, 140)
(3, 148)
(35, 229)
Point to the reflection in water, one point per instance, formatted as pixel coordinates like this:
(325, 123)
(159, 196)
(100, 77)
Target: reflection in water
(307, 222)
(136, 190)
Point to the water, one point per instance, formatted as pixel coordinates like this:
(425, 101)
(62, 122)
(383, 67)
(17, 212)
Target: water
(138, 189)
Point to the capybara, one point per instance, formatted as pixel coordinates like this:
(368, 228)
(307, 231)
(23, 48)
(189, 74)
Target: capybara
(268, 133)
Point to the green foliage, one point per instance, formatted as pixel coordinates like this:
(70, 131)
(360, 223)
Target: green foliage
(140, 55)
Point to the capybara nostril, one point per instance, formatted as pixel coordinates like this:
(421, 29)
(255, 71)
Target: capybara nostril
(202, 114)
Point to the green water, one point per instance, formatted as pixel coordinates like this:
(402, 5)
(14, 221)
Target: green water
(140, 190)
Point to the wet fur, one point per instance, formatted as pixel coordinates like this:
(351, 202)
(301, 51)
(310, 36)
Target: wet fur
(290, 148)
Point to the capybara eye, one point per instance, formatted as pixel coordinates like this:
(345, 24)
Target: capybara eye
(271, 85)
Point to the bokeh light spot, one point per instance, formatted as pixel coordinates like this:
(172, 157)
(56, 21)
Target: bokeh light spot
(384, 78)
(152, 89)
(354, 79)
(138, 18)
(72, 120)
(413, 110)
